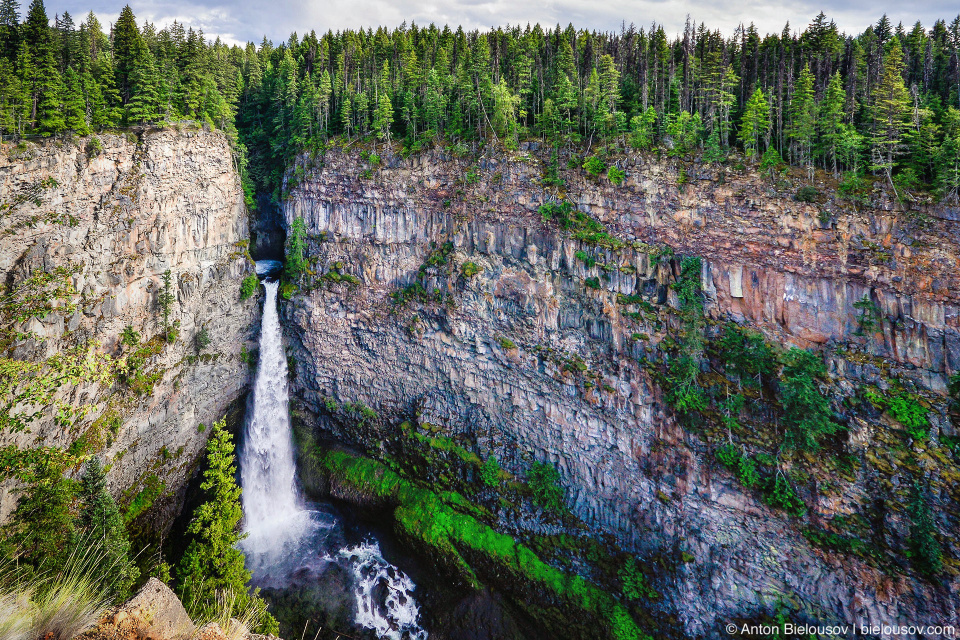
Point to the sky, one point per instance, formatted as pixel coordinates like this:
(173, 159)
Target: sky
(241, 21)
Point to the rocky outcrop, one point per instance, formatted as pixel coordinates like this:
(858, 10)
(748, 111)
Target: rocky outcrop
(530, 355)
(156, 613)
(107, 216)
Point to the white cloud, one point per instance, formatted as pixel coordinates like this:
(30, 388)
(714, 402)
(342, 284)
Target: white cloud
(237, 22)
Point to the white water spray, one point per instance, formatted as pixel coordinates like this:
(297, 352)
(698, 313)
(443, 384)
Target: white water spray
(284, 537)
(275, 517)
(384, 600)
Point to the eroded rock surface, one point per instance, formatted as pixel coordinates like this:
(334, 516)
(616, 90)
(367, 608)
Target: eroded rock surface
(114, 216)
(533, 357)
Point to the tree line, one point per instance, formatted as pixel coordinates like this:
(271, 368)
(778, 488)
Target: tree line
(885, 101)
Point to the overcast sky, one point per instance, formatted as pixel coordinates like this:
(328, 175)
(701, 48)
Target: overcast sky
(245, 20)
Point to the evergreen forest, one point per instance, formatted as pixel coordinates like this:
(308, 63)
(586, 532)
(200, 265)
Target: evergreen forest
(885, 101)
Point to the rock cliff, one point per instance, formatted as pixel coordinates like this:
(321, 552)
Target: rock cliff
(436, 292)
(89, 228)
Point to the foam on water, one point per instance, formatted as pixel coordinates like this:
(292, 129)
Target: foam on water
(285, 538)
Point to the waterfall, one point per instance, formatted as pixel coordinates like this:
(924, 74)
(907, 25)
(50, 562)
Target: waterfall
(274, 514)
(289, 541)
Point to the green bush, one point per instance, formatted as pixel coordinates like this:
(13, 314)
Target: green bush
(202, 339)
(490, 472)
(593, 283)
(807, 411)
(470, 269)
(249, 286)
(615, 175)
(923, 549)
(806, 194)
(594, 166)
(505, 343)
(779, 493)
(544, 482)
(907, 410)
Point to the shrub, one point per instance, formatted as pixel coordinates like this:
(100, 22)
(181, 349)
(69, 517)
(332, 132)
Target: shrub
(490, 472)
(634, 586)
(505, 343)
(586, 258)
(130, 337)
(94, 147)
(779, 493)
(593, 283)
(249, 286)
(807, 412)
(615, 175)
(923, 550)
(544, 482)
(296, 249)
(806, 194)
(470, 269)
(203, 339)
(907, 410)
(594, 166)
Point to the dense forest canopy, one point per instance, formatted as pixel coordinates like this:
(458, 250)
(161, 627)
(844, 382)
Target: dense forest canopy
(886, 101)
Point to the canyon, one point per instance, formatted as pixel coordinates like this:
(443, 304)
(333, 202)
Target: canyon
(438, 295)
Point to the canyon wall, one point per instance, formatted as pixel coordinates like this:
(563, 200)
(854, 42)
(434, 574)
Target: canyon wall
(513, 341)
(106, 217)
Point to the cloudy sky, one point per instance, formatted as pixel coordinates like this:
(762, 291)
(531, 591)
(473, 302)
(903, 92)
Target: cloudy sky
(245, 20)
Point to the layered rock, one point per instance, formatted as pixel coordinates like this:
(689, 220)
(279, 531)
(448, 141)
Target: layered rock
(115, 213)
(533, 357)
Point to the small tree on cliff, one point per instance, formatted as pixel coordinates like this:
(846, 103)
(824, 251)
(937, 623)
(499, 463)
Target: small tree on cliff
(101, 530)
(212, 567)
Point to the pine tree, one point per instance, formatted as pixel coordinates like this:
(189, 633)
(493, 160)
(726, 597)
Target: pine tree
(42, 76)
(143, 104)
(830, 123)
(383, 117)
(101, 528)
(803, 119)
(74, 105)
(891, 108)
(41, 527)
(9, 32)
(126, 51)
(755, 123)
(212, 562)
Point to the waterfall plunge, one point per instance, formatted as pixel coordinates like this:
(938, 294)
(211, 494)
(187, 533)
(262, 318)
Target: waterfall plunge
(285, 538)
(275, 516)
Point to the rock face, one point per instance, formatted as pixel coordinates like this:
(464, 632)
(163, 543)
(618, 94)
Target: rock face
(114, 213)
(155, 612)
(533, 357)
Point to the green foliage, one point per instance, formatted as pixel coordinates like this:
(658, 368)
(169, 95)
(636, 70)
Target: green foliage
(142, 500)
(745, 353)
(249, 286)
(923, 549)
(165, 300)
(102, 528)
(505, 343)
(130, 337)
(592, 283)
(544, 481)
(779, 493)
(744, 467)
(684, 391)
(906, 409)
(436, 521)
(807, 413)
(633, 583)
(869, 317)
(616, 175)
(490, 472)
(212, 563)
(296, 264)
(202, 339)
(470, 269)
(594, 166)
(806, 194)
(41, 527)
